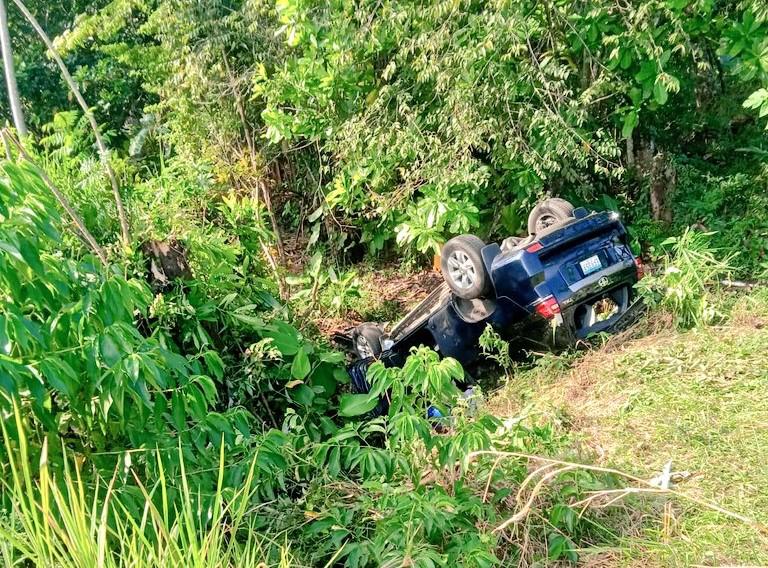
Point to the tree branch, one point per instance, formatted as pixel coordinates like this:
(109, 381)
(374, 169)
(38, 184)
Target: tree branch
(83, 232)
(103, 151)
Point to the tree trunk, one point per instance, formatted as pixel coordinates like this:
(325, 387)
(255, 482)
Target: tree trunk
(10, 73)
(103, 152)
(663, 181)
(630, 152)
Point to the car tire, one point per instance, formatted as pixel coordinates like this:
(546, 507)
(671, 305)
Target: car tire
(366, 340)
(549, 213)
(463, 269)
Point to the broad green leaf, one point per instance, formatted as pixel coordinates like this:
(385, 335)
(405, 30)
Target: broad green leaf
(334, 461)
(5, 341)
(132, 366)
(31, 256)
(660, 94)
(356, 404)
(208, 387)
(301, 366)
(302, 394)
(219, 423)
(284, 337)
(331, 356)
(756, 99)
(647, 73)
(253, 321)
(109, 350)
(214, 363)
(60, 376)
(626, 59)
(323, 377)
(12, 250)
(153, 374)
(631, 120)
(178, 411)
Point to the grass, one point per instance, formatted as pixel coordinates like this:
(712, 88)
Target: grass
(696, 398)
(72, 520)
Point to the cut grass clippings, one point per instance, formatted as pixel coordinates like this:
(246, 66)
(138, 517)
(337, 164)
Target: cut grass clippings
(697, 398)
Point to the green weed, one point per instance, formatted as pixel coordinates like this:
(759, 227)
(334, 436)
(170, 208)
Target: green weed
(70, 518)
(687, 279)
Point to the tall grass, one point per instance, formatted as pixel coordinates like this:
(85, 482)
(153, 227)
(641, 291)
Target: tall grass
(73, 520)
(687, 280)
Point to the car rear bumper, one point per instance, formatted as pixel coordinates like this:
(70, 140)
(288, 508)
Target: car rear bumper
(619, 274)
(564, 330)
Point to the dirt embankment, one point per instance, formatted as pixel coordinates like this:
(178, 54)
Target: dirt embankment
(386, 295)
(695, 399)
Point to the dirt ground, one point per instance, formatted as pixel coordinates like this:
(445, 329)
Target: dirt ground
(387, 291)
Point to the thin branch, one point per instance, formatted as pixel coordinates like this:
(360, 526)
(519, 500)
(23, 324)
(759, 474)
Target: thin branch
(103, 151)
(523, 512)
(82, 230)
(566, 465)
(490, 478)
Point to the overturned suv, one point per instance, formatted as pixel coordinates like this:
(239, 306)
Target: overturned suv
(572, 276)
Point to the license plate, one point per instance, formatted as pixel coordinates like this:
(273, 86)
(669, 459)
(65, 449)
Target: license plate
(590, 265)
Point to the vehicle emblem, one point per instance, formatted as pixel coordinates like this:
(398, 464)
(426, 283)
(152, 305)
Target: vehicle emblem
(603, 282)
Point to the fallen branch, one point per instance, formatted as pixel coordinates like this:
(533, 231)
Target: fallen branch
(103, 151)
(523, 512)
(82, 231)
(567, 466)
(740, 285)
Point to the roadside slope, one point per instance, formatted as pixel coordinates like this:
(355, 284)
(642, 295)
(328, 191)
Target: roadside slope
(698, 398)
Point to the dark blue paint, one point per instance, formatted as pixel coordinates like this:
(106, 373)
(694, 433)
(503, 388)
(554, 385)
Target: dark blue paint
(520, 279)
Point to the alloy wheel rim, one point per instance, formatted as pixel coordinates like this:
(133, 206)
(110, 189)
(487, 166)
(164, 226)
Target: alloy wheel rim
(461, 269)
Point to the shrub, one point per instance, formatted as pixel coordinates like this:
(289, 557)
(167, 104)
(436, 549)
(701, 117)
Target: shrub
(686, 279)
(99, 365)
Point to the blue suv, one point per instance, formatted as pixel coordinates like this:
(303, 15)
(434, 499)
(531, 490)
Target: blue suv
(572, 276)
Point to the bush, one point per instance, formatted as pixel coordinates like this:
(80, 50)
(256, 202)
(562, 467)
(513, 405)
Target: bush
(686, 279)
(97, 364)
(123, 449)
(732, 205)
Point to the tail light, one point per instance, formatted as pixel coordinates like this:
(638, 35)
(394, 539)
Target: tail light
(640, 267)
(534, 247)
(548, 308)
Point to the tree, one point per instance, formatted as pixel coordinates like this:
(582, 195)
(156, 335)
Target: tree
(10, 73)
(103, 151)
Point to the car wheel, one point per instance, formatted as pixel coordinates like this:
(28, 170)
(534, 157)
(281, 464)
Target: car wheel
(548, 213)
(463, 268)
(366, 340)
